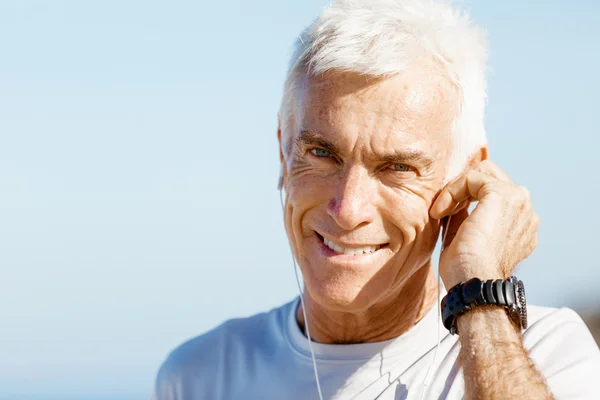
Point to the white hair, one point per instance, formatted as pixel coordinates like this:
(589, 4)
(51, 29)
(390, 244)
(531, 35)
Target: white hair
(381, 38)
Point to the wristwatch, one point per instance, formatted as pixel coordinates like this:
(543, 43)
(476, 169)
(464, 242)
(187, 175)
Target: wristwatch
(508, 293)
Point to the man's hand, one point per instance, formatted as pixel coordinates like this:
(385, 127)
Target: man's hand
(488, 244)
(499, 233)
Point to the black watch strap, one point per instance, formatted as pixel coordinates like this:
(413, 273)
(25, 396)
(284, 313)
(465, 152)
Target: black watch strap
(508, 293)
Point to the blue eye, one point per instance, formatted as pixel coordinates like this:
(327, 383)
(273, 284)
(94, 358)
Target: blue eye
(401, 167)
(321, 152)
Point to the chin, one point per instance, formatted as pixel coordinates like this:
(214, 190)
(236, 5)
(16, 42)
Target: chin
(343, 292)
(347, 282)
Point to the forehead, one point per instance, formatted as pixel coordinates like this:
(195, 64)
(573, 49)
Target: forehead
(415, 106)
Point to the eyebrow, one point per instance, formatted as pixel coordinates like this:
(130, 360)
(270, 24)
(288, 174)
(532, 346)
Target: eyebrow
(412, 156)
(311, 138)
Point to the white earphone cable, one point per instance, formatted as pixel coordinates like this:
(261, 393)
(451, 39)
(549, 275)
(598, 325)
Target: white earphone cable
(427, 380)
(312, 353)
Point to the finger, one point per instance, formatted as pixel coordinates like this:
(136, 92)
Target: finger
(531, 232)
(451, 228)
(490, 168)
(466, 187)
(487, 167)
(460, 207)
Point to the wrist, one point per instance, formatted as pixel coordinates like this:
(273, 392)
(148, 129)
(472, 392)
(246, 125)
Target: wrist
(485, 319)
(455, 273)
(506, 295)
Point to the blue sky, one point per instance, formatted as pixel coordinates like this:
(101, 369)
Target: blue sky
(138, 166)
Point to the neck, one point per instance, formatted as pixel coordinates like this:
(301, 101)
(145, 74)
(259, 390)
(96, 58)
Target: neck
(385, 320)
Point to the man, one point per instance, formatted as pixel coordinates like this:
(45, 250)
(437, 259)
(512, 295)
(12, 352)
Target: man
(382, 145)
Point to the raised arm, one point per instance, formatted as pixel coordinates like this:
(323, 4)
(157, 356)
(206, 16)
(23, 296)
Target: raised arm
(488, 244)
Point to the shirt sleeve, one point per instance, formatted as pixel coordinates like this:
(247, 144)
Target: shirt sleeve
(165, 385)
(566, 354)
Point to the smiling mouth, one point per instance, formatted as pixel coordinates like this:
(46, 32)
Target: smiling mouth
(353, 251)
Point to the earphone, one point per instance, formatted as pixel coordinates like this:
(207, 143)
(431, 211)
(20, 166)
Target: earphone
(426, 380)
(280, 180)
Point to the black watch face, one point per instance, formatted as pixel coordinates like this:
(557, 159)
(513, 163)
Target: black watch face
(522, 304)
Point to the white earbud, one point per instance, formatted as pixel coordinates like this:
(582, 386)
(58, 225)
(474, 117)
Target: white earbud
(280, 181)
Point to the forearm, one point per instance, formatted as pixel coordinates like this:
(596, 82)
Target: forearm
(495, 364)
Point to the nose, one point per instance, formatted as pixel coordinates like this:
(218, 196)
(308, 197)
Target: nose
(352, 203)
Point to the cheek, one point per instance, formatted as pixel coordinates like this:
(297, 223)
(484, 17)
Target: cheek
(407, 209)
(409, 213)
(307, 179)
(309, 186)
(306, 196)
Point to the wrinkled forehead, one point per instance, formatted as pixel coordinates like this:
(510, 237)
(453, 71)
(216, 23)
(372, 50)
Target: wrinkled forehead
(421, 102)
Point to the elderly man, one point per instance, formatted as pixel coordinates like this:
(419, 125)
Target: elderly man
(382, 146)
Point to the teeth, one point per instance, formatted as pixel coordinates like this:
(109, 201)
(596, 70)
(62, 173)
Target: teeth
(353, 251)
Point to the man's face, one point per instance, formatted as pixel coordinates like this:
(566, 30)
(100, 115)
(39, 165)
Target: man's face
(365, 162)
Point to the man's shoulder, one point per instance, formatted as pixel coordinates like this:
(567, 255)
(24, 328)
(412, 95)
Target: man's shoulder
(558, 325)
(564, 351)
(233, 338)
(549, 318)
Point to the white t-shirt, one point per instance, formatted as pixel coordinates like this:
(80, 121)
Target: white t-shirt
(266, 356)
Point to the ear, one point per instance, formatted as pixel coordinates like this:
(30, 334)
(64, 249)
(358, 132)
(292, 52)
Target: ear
(477, 157)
